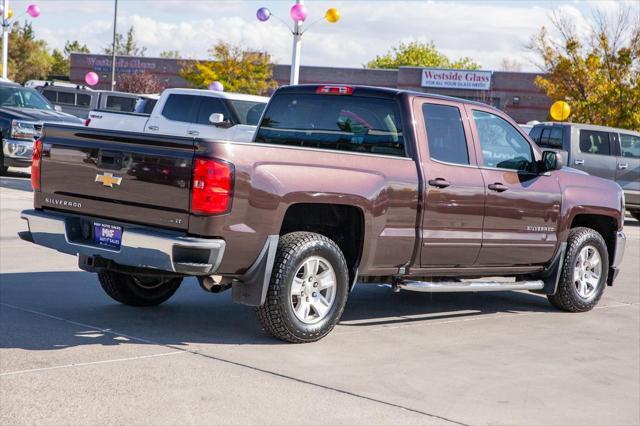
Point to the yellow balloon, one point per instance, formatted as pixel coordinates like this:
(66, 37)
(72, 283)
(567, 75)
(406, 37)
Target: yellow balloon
(332, 15)
(10, 13)
(560, 110)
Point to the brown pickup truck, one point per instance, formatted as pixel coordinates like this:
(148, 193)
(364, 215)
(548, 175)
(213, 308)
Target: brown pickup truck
(340, 185)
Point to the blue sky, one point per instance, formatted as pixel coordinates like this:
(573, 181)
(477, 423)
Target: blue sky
(486, 31)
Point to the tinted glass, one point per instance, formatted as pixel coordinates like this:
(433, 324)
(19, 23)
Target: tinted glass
(66, 98)
(121, 103)
(502, 145)
(248, 112)
(50, 94)
(210, 106)
(83, 100)
(180, 108)
(535, 133)
(630, 145)
(550, 137)
(594, 142)
(21, 97)
(445, 134)
(346, 123)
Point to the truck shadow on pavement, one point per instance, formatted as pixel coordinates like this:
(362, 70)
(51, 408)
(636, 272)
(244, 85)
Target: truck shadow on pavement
(56, 310)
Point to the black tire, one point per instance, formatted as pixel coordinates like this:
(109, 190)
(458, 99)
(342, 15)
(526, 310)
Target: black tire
(635, 214)
(567, 297)
(277, 314)
(135, 290)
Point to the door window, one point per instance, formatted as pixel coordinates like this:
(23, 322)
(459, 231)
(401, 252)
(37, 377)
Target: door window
(180, 108)
(445, 133)
(502, 145)
(630, 145)
(208, 106)
(66, 98)
(594, 142)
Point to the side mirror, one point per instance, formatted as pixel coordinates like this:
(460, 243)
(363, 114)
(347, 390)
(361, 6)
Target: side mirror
(551, 160)
(216, 118)
(57, 108)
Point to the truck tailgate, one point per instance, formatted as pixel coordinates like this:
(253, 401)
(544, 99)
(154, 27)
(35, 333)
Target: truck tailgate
(123, 176)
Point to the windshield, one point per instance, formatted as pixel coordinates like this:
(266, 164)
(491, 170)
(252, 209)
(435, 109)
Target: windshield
(22, 97)
(248, 112)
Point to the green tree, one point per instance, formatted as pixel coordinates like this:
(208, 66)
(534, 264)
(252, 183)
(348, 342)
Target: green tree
(418, 54)
(238, 71)
(126, 45)
(28, 57)
(170, 54)
(599, 74)
(61, 60)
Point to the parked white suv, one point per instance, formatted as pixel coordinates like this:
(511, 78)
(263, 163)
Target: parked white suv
(192, 113)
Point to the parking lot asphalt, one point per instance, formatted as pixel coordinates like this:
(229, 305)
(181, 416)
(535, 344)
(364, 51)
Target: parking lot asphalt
(69, 354)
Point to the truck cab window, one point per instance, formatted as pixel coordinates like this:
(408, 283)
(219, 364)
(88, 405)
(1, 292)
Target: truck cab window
(66, 98)
(594, 142)
(502, 146)
(51, 95)
(210, 105)
(180, 108)
(121, 103)
(83, 100)
(630, 145)
(445, 134)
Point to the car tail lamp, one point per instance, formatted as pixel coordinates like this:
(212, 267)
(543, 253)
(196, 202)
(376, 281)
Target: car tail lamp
(87, 121)
(212, 186)
(36, 164)
(335, 90)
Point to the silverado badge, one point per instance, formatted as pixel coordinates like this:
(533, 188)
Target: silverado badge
(108, 179)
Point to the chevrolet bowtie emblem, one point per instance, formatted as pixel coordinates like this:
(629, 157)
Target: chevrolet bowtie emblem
(108, 179)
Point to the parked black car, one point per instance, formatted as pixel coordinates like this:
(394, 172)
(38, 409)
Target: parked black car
(23, 111)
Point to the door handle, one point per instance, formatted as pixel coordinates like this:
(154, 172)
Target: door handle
(153, 127)
(622, 166)
(439, 182)
(498, 187)
(578, 162)
(193, 132)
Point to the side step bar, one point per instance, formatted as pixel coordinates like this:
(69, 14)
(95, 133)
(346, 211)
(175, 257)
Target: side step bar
(469, 286)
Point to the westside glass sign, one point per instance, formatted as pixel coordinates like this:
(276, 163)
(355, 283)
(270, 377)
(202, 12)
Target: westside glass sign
(456, 79)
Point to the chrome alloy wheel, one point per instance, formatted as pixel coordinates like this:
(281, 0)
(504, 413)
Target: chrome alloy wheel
(587, 271)
(313, 290)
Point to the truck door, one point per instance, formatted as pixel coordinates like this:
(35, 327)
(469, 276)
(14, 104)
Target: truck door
(522, 207)
(628, 168)
(454, 189)
(173, 117)
(594, 154)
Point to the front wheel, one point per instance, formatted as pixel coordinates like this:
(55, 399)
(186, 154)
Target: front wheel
(308, 288)
(138, 290)
(584, 272)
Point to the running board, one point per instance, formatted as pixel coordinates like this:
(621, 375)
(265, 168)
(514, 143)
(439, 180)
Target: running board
(470, 286)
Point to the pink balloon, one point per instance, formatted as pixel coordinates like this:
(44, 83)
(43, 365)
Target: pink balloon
(298, 12)
(33, 10)
(216, 86)
(91, 78)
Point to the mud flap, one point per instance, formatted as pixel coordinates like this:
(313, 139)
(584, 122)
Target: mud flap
(551, 275)
(251, 288)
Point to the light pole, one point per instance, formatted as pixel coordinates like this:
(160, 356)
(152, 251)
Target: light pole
(298, 14)
(32, 10)
(113, 47)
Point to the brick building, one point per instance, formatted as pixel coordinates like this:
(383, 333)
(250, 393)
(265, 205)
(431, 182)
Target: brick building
(513, 92)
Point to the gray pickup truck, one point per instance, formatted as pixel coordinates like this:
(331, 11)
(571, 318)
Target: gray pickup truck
(340, 185)
(606, 152)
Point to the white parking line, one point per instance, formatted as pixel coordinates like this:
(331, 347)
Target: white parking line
(81, 364)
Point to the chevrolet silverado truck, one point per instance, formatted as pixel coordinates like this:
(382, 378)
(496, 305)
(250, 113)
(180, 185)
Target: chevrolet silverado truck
(340, 185)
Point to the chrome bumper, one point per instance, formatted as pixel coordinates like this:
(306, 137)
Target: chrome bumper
(140, 247)
(17, 149)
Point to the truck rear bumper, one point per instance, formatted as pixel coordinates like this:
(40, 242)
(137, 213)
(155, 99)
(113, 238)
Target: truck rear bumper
(140, 247)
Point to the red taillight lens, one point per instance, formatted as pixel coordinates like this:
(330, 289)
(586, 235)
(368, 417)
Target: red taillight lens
(212, 186)
(335, 90)
(36, 163)
(87, 121)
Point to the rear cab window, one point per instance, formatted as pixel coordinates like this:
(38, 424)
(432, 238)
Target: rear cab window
(547, 136)
(180, 108)
(334, 122)
(121, 103)
(445, 134)
(595, 142)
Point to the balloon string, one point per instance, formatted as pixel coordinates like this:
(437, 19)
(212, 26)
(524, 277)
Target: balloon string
(312, 24)
(281, 20)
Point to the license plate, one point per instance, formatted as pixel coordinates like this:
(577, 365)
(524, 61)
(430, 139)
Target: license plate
(107, 235)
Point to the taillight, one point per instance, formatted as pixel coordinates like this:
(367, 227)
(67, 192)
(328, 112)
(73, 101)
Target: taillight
(212, 186)
(36, 164)
(335, 90)
(87, 121)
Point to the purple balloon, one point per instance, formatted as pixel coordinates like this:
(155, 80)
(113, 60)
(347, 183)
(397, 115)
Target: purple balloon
(33, 10)
(298, 12)
(263, 14)
(91, 78)
(216, 86)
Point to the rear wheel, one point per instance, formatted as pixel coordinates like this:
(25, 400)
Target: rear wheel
(308, 288)
(584, 272)
(138, 290)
